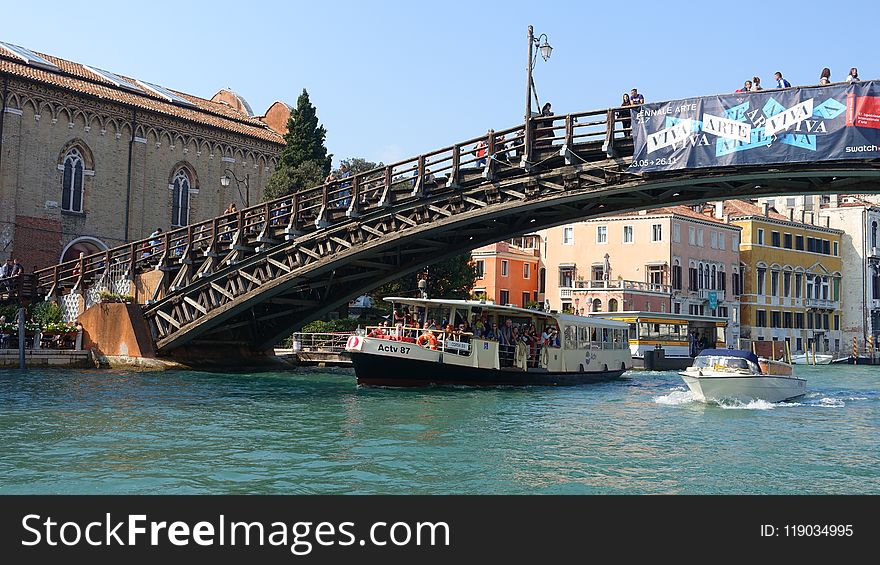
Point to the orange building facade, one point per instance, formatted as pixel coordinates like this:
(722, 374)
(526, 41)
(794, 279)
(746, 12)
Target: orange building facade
(507, 271)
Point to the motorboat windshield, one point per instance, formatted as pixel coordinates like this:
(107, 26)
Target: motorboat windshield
(727, 359)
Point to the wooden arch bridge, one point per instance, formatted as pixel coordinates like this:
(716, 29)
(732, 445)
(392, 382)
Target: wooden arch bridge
(251, 278)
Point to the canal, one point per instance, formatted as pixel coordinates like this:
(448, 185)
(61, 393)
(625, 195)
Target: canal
(315, 432)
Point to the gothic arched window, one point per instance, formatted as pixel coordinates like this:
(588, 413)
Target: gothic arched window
(72, 181)
(180, 198)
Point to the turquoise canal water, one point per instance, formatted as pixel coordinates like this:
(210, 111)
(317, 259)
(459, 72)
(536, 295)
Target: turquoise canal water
(316, 432)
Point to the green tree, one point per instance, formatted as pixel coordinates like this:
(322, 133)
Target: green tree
(286, 181)
(452, 278)
(357, 165)
(304, 161)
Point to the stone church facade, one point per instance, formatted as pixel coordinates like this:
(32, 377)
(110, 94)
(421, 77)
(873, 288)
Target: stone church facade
(91, 160)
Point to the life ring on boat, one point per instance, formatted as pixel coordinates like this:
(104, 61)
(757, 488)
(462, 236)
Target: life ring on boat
(427, 339)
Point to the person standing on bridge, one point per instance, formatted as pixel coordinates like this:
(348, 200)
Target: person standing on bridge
(756, 84)
(825, 77)
(781, 82)
(480, 153)
(544, 127)
(636, 98)
(346, 187)
(853, 75)
(5, 273)
(624, 115)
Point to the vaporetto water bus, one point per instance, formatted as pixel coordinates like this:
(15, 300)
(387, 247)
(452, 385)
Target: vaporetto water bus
(664, 341)
(465, 342)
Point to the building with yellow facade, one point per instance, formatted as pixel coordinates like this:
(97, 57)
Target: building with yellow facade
(791, 273)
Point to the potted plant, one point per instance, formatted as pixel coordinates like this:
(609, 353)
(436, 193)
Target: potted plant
(108, 296)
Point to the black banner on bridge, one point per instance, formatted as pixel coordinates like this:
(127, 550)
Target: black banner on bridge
(754, 128)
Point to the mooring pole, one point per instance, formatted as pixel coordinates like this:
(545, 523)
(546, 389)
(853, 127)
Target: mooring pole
(21, 338)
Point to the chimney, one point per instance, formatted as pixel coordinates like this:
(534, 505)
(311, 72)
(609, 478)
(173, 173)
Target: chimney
(766, 209)
(835, 200)
(719, 209)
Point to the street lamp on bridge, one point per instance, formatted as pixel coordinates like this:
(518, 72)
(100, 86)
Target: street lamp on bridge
(246, 197)
(545, 50)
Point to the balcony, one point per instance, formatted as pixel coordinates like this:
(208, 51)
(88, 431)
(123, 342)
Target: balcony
(704, 294)
(821, 304)
(616, 285)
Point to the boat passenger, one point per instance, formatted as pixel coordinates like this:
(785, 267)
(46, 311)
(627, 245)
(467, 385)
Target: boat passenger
(554, 337)
(505, 336)
(491, 333)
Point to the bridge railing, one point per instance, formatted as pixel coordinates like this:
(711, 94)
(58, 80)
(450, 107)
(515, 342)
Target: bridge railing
(315, 208)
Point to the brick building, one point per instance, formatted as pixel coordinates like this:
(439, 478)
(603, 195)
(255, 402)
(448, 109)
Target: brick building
(90, 159)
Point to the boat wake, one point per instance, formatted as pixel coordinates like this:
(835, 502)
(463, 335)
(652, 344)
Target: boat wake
(753, 405)
(681, 395)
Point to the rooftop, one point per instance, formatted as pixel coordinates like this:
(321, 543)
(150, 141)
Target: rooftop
(677, 210)
(90, 81)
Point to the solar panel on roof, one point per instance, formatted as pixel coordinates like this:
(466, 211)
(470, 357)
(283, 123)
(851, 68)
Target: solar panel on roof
(28, 56)
(114, 78)
(165, 93)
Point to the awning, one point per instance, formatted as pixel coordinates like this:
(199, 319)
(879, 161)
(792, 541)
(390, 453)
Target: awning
(656, 263)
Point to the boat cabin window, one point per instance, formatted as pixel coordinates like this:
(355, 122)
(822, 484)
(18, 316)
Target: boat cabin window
(664, 332)
(718, 362)
(570, 337)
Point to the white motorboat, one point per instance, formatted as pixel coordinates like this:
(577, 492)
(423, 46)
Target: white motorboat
(734, 375)
(812, 359)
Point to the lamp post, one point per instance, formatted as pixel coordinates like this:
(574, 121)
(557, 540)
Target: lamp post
(545, 50)
(224, 181)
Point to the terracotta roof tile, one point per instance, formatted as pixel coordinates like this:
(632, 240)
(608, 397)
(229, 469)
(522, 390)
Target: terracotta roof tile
(678, 210)
(75, 77)
(740, 209)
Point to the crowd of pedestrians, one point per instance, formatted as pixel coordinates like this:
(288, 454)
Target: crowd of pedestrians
(754, 84)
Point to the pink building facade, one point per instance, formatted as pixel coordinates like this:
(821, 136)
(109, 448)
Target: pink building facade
(674, 259)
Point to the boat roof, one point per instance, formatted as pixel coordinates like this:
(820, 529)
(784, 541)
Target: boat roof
(729, 353)
(511, 310)
(660, 317)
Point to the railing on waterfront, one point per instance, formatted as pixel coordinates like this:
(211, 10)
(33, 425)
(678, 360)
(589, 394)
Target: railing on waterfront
(309, 342)
(313, 209)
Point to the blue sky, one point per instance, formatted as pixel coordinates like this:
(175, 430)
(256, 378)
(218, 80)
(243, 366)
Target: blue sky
(394, 79)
